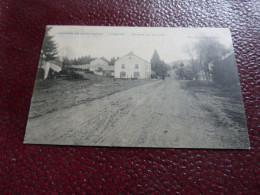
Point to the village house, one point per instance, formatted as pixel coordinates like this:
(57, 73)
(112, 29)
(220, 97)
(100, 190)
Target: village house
(101, 68)
(171, 73)
(132, 66)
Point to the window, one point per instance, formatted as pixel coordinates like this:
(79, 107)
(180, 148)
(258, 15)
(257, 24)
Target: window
(136, 74)
(136, 66)
(123, 66)
(122, 74)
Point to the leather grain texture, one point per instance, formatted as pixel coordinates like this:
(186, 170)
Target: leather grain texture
(40, 169)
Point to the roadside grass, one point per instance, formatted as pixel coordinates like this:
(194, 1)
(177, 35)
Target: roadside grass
(215, 117)
(54, 94)
(229, 96)
(199, 84)
(233, 92)
(237, 117)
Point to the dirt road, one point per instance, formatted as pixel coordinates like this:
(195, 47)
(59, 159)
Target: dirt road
(157, 114)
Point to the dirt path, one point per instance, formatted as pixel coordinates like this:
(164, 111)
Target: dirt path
(157, 114)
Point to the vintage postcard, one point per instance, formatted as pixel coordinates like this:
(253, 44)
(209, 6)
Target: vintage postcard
(137, 87)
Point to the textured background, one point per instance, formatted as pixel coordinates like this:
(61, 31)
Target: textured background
(42, 169)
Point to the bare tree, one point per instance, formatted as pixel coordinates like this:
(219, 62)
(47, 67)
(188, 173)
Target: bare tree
(208, 51)
(192, 53)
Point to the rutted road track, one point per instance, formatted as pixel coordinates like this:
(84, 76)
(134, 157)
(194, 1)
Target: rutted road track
(157, 114)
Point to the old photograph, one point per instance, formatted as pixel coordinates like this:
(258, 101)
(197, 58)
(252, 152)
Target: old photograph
(137, 87)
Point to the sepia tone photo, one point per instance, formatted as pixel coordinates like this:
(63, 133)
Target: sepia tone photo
(137, 87)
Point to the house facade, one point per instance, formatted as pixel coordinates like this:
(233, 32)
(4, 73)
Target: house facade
(132, 66)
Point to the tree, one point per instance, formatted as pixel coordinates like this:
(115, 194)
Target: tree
(155, 62)
(113, 60)
(164, 68)
(184, 72)
(78, 61)
(65, 62)
(180, 72)
(103, 58)
(195, 70)
(158, 65)
(86, 59)
(225, 71)
(174, 66)
(49, 47)
(208, 51)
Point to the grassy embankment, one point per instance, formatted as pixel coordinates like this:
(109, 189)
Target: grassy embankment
(55, 94)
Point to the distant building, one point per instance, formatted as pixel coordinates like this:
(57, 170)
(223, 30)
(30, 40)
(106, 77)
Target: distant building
(79, 67)
(171, 73)
(98, 64)
(101, 68)
(132, 66)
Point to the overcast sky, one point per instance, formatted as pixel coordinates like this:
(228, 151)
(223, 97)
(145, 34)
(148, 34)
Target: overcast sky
(77, 41)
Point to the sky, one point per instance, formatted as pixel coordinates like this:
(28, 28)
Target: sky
(108, 42)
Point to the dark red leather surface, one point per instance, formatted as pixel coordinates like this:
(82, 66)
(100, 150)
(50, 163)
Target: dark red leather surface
(33, 169)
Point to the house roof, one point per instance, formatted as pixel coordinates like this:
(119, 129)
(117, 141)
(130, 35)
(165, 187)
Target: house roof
(98, 60)
(131, 53)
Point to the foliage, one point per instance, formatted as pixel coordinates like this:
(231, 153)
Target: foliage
(77, 61)
(195, 69)
(208, 59)
(225, 72)
(66, 61)
(174, 66)
(208, 51)
(49, 47)
(103, 58)
(184, 73)
(158, 65)
(112, 61)
(155, 61)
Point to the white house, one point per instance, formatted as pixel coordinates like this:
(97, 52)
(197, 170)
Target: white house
(101, 68)
(98, 64)
(132, 66)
